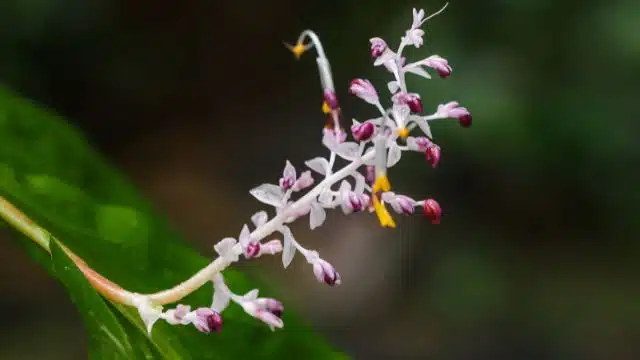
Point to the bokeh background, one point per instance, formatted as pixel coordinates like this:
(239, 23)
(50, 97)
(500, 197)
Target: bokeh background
(197, 101)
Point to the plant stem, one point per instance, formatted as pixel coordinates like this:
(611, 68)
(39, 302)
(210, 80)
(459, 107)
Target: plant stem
(112, 291)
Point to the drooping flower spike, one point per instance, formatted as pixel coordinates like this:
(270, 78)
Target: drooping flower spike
(363, 184)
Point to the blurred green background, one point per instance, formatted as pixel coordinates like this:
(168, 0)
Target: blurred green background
(536, 256)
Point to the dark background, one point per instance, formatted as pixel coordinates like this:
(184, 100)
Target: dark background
(197, 101)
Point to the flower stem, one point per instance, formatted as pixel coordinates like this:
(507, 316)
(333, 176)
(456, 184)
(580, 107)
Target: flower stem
(112, 291)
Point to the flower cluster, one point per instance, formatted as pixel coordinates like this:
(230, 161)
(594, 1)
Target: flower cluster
(361, 185)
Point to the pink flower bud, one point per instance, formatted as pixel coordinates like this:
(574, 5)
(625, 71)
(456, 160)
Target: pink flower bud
(363, 89)
(363, 131)
(288, 177)
(412, 100)
(432, 211)
(433, 155)
(331, 99)
(304, 181)
(325, 273)
(271, 247)
(378, 46)
(439, 64)
(207, 320)
(453, 110)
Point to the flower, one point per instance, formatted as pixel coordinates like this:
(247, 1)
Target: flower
(177, 315)
(453, 110)
(288, 177)
(378, 46)
(432, 211)
(325, 272)
(440, 64)
(410, 99)
(400, 203)
(363, 131)
(206, 320)
(265, 309)
(363, 89)
(271, 247)
(250, 246)
(351, 201)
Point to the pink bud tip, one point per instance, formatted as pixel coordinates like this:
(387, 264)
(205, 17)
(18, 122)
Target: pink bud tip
(326, 273)
(432, 211)
(364, 131)
(465, 120)
(433, 155)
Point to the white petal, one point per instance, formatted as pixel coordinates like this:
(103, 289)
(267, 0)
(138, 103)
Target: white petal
(260, 218)
(269, 194)
(418, 70)
(319, 165)
(387, 56)
(289, 171)
(355, 122)
(288, 247)
(224, 248)
(325, 197)
(317, 215)
(220, 300)
(348, 150)
(245, 236)
(394, 154)
(148, 313)
(424, 126)
(393, 87)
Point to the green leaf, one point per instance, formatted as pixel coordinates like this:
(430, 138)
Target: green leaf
(48, 171)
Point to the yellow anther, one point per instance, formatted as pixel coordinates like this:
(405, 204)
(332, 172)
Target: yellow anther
(325, 108)
(382, 184)
(297, 50)
(383, 213)
(403, 132)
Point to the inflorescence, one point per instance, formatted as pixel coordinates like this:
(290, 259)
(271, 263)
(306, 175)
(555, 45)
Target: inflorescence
(361, 185)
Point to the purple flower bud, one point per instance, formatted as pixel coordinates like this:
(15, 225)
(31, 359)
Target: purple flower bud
(288, 177)
(410, 99)
(363, 131)
(439, 64)
(207, 320)
(272, 306)
(433, 155)
(252, 250)
(453, 110)
(330, 99)
(378, 46)
(363, 89)
(325, 273)
(432, 211)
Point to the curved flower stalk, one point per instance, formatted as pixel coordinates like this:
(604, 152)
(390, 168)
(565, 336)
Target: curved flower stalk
(378, 145)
